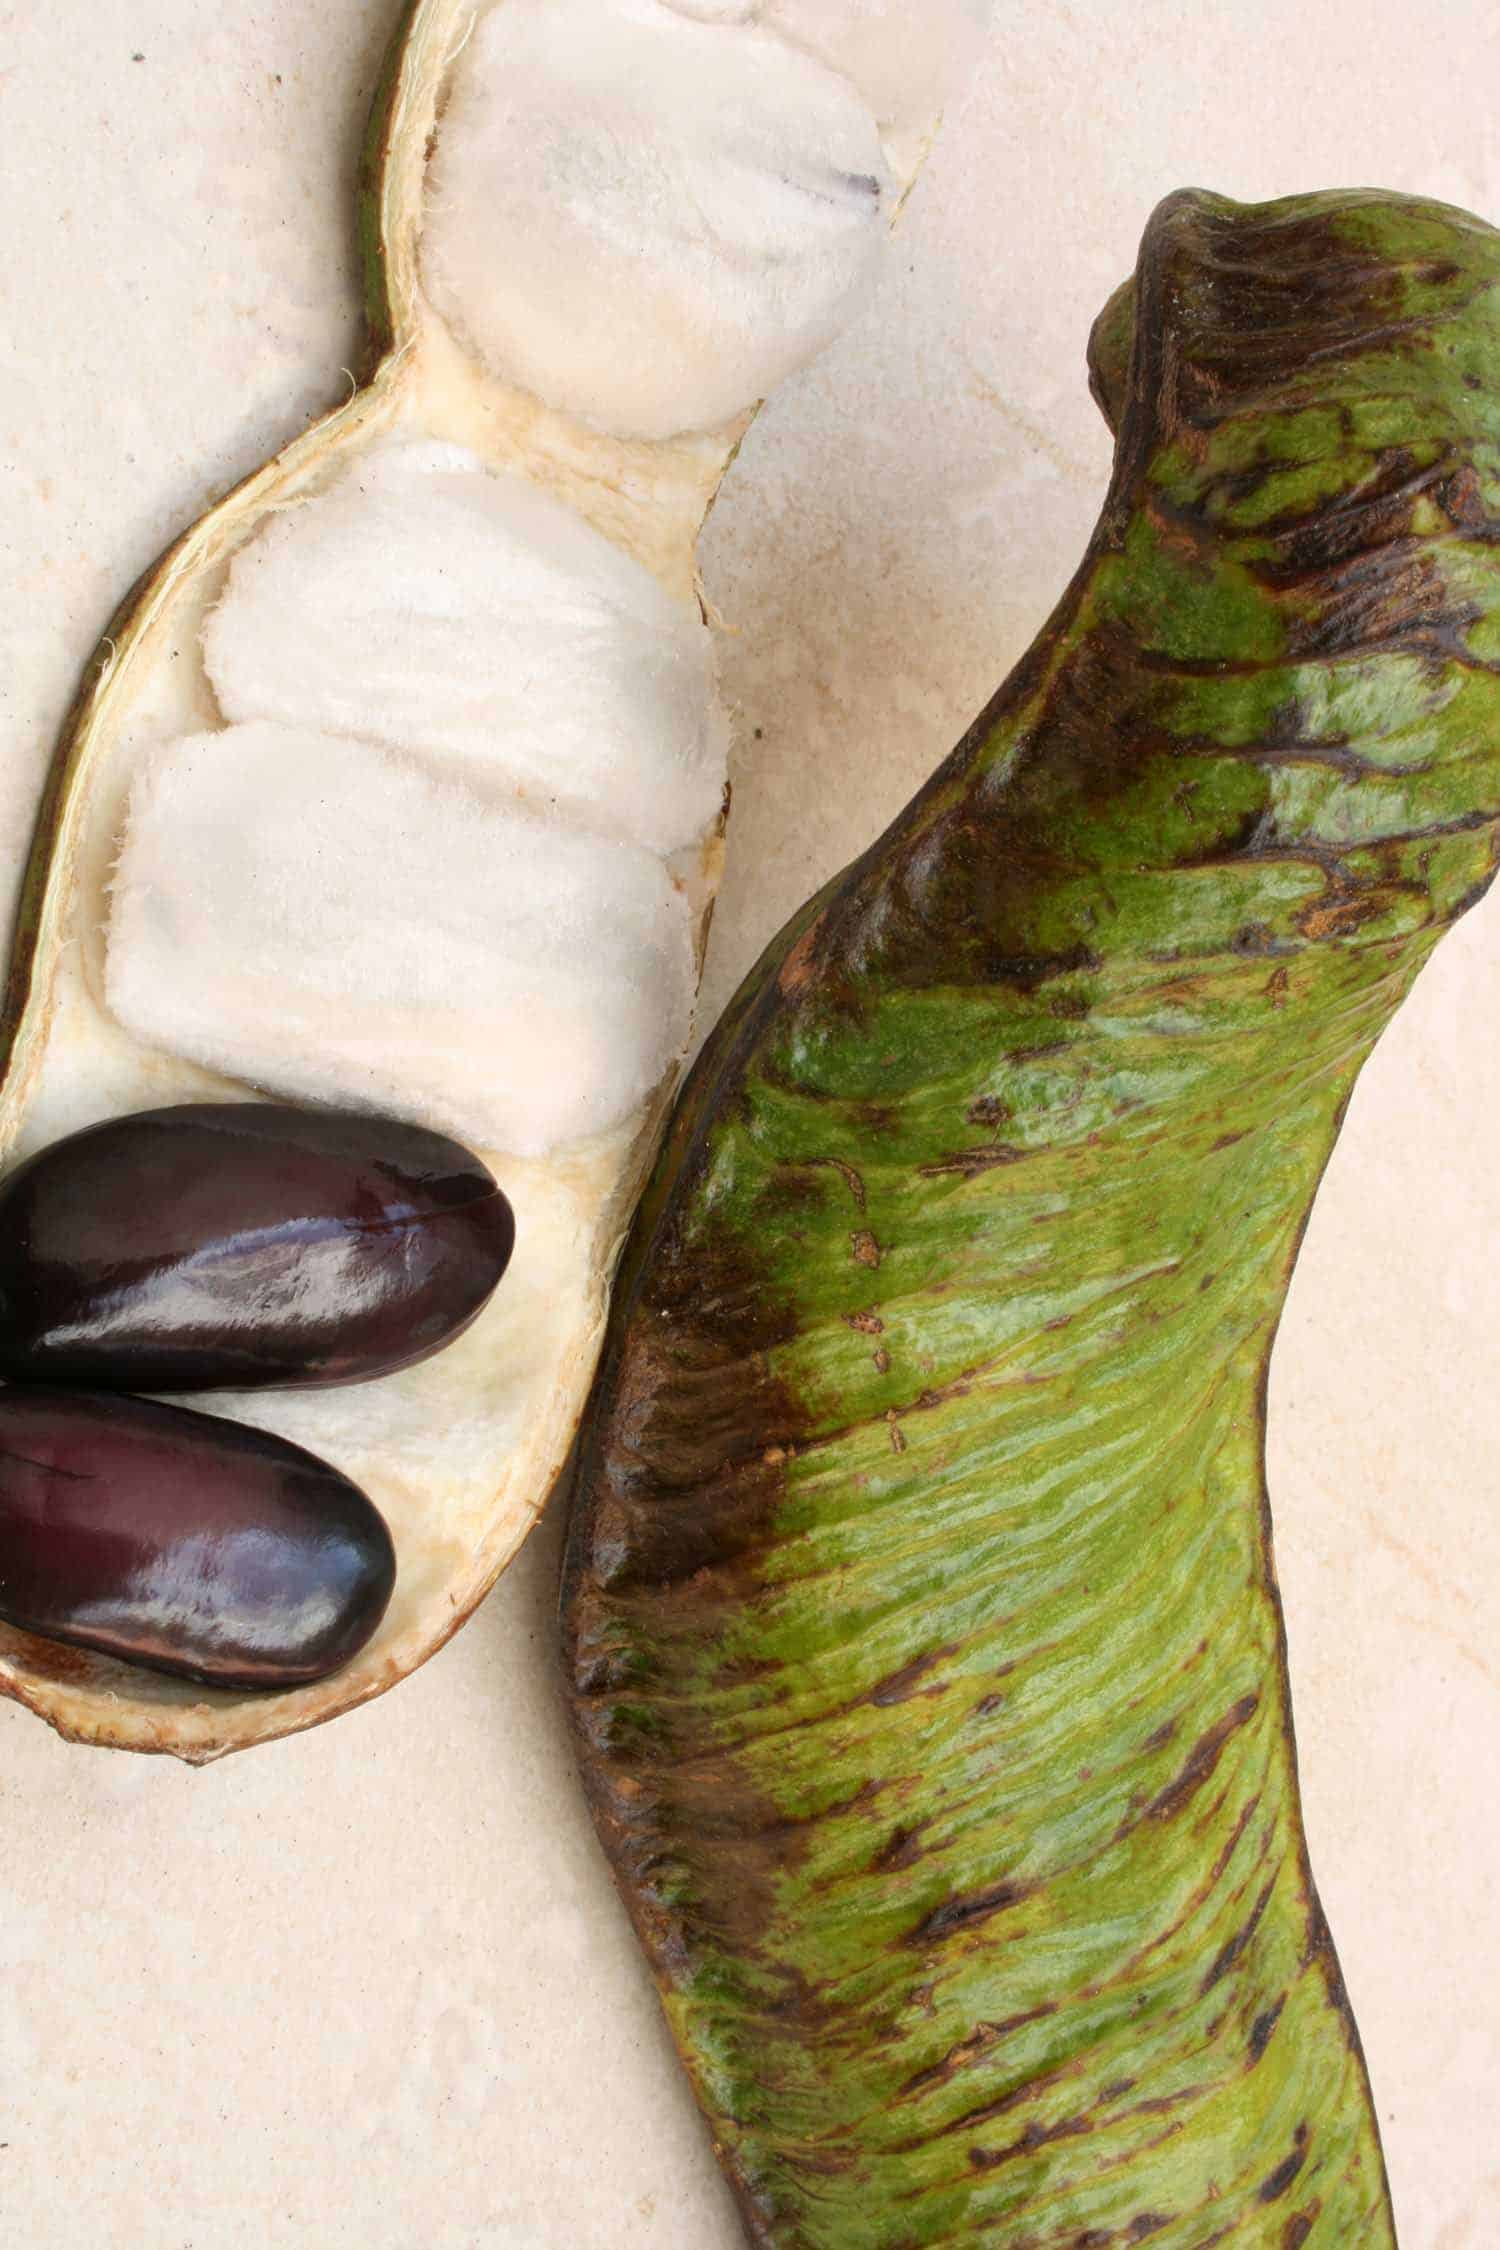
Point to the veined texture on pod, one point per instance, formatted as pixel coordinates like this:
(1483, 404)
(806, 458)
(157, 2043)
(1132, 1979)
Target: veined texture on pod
(921, 1625)
(398, 785)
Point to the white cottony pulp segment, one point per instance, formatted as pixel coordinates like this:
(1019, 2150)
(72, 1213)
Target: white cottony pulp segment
(424, 603)
(360, 931)
(907, 57)
(647, 219)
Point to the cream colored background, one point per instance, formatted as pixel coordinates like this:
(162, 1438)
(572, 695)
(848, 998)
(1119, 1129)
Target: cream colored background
(371, 1987)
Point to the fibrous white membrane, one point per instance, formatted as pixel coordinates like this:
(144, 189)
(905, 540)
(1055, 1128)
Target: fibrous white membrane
(906, 56)
(425, 603)
(645, 218)
(319, 917)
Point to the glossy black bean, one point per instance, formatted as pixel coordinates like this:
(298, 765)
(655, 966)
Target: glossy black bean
(240, 1245)
(182, 1542)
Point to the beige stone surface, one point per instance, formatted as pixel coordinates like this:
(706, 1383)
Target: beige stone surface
(370, 1987)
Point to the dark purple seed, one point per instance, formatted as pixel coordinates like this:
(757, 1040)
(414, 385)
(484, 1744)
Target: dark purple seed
(242, 1245)
(182, 1542)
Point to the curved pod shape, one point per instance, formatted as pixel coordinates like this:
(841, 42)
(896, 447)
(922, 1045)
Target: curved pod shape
(921, 1625)
(182, 1542)
(243, 1244)
(460, 1453)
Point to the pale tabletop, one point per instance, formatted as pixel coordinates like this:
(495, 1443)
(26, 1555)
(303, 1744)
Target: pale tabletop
(371, 1988)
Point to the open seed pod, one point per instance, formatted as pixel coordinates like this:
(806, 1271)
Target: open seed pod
(461, 1451)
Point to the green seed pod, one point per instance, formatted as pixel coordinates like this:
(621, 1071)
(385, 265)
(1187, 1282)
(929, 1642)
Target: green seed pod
(922, 1633)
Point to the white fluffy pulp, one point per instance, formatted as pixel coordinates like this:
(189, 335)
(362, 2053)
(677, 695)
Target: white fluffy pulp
(319, 917)
(907, 57)
(648, 217)
(425, 603)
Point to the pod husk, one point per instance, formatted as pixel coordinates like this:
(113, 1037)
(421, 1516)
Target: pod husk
(921, 1630)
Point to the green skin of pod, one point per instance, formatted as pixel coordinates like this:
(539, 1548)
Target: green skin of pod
(922, 1636)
